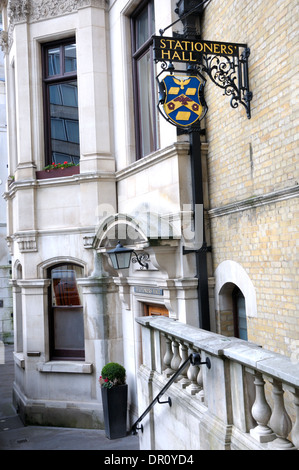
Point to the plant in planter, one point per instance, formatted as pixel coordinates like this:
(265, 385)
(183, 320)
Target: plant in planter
(58, 170)
(57, 166)
(114, 396)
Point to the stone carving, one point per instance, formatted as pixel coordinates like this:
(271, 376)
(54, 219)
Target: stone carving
(17, 10)
(35, 10)
(4, 41)
(45, 9)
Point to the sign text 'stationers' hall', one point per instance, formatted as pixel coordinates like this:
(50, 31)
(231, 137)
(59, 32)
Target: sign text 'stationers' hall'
(186, 50)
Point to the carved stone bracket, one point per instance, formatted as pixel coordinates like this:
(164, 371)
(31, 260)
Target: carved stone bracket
(27, 242)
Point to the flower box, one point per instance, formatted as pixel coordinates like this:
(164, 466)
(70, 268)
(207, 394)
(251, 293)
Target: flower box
(58, 172)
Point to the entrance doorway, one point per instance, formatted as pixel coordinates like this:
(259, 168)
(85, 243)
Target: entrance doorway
(155, 310)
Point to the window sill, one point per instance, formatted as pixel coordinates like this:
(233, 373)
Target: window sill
(58, 173)
(66, 367)
(19, 359)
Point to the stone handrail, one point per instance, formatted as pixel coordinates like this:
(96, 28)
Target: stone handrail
(235, 393)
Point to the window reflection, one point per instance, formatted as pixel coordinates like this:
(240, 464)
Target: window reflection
(146, 104)
(70, 61)
(65, 291)
(54, 61)
(64, 122)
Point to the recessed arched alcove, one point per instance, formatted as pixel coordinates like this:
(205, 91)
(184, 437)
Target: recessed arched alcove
(234, 295)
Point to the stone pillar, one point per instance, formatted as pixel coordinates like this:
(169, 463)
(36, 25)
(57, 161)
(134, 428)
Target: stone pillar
(98, 189)
(35, 329)
(102, 325)
(216, 425)
(25, 165)
(17, 312)
(93, 75)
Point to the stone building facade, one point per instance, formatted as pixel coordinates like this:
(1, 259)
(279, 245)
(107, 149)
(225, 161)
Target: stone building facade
(81, 95)
(6, 312)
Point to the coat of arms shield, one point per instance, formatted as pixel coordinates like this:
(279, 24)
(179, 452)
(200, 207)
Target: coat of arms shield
(183, 103)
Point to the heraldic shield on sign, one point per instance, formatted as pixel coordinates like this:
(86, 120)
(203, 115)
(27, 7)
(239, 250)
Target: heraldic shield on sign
(183, 100)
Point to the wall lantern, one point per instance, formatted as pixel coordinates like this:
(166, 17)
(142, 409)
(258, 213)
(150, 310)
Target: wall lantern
(121, 257)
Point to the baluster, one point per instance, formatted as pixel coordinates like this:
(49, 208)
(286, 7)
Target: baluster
(168, 357)
(261, 412)
(183, 379)
(176, 358)
(280, 421)
(192, 373)
(295, 430)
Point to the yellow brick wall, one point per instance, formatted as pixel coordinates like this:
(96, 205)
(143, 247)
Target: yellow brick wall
(256, 156)
(248, 158)
(263, 240)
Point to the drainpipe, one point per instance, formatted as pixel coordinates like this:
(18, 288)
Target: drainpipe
(191, 27)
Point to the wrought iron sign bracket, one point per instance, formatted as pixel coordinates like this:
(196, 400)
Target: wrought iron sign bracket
(231, 74)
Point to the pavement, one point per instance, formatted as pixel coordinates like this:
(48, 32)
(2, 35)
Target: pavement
(15, 436)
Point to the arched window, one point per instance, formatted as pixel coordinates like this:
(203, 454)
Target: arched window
(66, 313)
(239, 312)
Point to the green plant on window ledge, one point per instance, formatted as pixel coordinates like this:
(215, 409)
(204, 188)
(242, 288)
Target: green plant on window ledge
(56, 166)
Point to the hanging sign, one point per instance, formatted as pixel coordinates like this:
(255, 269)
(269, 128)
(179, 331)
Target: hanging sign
(225, 63)
(182, 102)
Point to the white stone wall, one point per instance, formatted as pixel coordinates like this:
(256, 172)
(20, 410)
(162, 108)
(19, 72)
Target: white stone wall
(6, 320)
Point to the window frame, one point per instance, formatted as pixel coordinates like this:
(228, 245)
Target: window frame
(62, 77)
(137, 54)
(61, 354)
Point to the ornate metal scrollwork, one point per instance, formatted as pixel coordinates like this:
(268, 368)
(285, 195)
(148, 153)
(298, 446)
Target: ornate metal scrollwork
(141, 259)
(231, 74)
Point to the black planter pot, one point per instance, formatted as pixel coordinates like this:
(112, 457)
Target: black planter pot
(115, 410)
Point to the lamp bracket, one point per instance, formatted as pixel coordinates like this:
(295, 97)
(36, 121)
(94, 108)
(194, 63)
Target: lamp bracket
(141, 259)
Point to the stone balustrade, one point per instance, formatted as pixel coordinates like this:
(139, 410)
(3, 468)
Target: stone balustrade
(247, 399)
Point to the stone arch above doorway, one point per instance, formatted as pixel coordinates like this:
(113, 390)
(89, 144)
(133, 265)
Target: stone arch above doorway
(228, 275)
